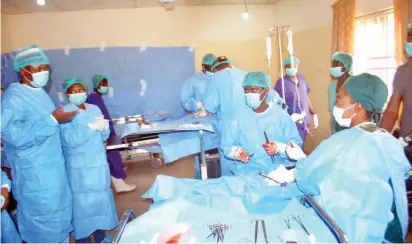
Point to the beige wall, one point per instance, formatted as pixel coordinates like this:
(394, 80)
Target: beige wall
(5, 34)
(218, 29)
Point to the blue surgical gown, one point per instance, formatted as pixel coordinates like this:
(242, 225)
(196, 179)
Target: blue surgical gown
(351, 172)
(9, 233)
(193, 91)
(224, 97)
(32, 144)
(88, 172)
(247, 132)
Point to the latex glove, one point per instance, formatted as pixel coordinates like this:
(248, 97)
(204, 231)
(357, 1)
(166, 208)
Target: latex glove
(402, 140)
(200, 106)
(99, 124)
(295, 117)
(271, 148)
(315, 121)
(201, 114)
(240, 154)
(295, 152)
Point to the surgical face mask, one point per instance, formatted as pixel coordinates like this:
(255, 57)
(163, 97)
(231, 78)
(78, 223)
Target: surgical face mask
(336, 72)
(338, 114)
(253, 99)
(291, 72)
(209, 74)
(78, 98)
(103, 89)
(40, 79)
(408, 49)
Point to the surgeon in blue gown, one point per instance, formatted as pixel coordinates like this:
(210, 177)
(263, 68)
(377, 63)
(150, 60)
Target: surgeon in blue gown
(193, 90)
(83, 140)
(359, 173)
(31, 136)
(9, 233)
(243, 139)
(224, 97)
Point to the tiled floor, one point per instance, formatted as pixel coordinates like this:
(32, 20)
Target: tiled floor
(143, 175)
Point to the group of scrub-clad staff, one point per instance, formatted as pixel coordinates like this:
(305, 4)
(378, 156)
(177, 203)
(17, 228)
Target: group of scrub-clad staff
(61, 177)
(359, 173)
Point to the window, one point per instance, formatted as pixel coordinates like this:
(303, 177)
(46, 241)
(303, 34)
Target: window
(375, 46)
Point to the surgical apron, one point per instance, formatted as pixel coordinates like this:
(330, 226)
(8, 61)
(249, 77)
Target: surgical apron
(351, 172)
(88, 173)
(9, 233)
(113, 156)
(225, 97)
(32, 143)
(247, 131)
(193, 91)
(297, 101)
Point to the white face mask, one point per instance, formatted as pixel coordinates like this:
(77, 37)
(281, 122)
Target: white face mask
(338, 114)
(40, 79)
(253, 99)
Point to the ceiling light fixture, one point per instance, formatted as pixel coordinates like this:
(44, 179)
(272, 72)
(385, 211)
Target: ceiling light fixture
(245, 14)
(41, 2)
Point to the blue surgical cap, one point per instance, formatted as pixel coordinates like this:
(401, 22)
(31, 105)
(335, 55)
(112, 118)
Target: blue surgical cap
(345, 58)
(30, 55)
(221, 60)
(410, 26)
(67, 83)
(209, 59)
(258, 78)
(97, 79)
(288, 61)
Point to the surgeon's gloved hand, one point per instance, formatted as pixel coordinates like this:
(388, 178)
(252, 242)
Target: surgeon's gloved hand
(61, 116)
(271, 148)
(99, 124)
(294, 152)
(315, 121)
(4, 198)
(240, 154)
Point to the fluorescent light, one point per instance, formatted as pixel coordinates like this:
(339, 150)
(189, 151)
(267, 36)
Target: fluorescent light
(245, 15)
(41, 2)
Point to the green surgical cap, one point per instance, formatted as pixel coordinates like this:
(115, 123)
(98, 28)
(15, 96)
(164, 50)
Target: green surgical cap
(345, 58)
(97, 79)
(368, 90)
(410, 26)
(258, 78)
(288, 61)
(67, 83)
(221, 60)
(30, 55)
(209, 59)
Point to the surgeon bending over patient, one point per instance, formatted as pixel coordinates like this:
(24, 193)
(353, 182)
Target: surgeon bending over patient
(358, 173)
(83, 140)
(243, 138)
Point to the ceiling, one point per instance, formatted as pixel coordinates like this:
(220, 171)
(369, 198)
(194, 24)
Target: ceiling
(30, 6)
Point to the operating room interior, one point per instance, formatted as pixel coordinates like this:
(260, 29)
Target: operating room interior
(149, 48)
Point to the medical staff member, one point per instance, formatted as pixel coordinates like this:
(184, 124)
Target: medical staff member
(297, 97)
(101, 87)
(9, 233)
(341, 70)
(225, 96)
(31, 136)
(193, 89)
(359, 173)
(244, 139)
(83, 140)
(402, 93)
